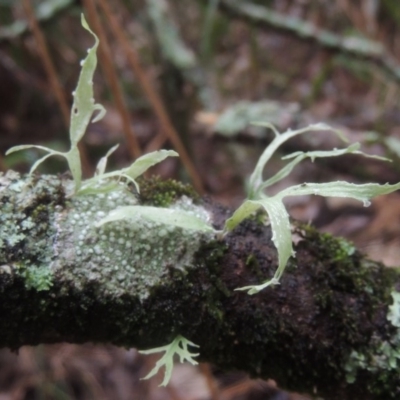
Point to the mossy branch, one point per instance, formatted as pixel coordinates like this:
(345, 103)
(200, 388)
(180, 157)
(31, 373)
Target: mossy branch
(330, 328)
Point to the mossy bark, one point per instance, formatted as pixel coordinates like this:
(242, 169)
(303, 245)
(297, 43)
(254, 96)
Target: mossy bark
(327, 324)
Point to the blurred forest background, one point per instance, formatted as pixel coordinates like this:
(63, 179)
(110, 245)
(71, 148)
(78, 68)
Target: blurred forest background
(191, 75)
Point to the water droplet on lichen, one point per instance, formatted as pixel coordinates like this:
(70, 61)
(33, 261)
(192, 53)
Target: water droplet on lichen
(366, 203)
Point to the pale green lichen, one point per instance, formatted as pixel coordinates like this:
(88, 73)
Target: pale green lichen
(274, 205)
(81, 115)
(381, 355)
(394, 310)
(178, 347)
(42, 239)
(186, 204)
(83, 108)
(122, 256)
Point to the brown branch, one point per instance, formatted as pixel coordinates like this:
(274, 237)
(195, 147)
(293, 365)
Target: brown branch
(110, 73)
(47, 62)
(330, 328)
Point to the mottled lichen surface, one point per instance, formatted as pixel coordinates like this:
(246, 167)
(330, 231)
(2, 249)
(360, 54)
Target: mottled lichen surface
(382, 355)
(131, 255)
(59, 237)
(27, 227)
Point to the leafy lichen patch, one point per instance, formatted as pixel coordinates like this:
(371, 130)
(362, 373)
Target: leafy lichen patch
(45, 234)
(186, 204)
(130, 255)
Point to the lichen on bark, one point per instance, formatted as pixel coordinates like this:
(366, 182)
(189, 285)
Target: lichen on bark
(332, 302)
(128, 255)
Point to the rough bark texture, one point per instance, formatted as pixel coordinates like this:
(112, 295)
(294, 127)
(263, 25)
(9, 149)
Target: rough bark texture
(333, 320)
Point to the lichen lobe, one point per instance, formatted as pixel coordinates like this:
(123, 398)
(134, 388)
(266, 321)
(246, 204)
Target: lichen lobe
(131, 255)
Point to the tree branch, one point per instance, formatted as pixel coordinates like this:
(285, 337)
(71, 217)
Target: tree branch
(371, 51)
(135, 283)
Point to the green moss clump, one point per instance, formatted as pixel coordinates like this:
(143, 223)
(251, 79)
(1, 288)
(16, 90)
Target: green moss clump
(349, 269)
(158, 193)
(38, 278)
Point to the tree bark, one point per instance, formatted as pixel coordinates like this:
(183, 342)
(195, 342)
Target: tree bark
(331, 328)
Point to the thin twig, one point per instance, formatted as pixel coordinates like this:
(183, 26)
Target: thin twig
(112, 78)
(47, 62)
(22, 76)
(210, 380)
(237, 389)
(152, 95)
